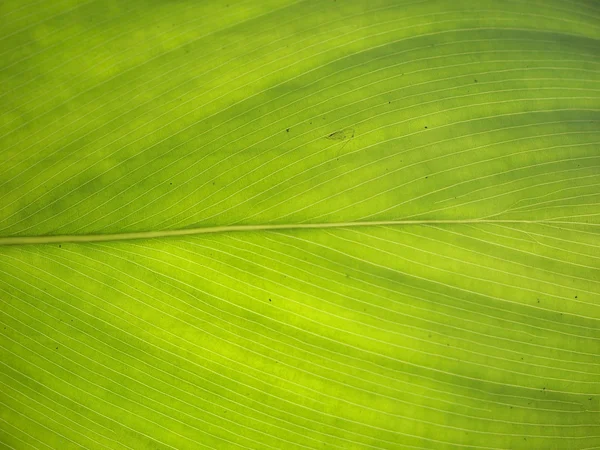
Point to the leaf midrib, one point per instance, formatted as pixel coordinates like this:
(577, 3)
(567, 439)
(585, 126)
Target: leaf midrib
(82, 238)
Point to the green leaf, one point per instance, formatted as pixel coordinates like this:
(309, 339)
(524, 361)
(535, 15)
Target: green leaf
(287, 224)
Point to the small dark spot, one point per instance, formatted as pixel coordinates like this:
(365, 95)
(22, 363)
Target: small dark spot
(426, 177)
(213, 183)
(575, 296)
(475, 81)
(544, 388)
(269, 299)
(288, 130)
(389, 103)
(56, 348)
(590, 398)
(170, 184)
(538, 300)
(425, 127)
(59, 246)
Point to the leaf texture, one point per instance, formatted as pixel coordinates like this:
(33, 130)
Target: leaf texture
(304, 224)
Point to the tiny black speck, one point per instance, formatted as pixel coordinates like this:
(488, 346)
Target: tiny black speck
(288, 130)
(425, 127)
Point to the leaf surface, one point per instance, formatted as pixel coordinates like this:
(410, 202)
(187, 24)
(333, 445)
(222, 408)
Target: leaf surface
(300, 224)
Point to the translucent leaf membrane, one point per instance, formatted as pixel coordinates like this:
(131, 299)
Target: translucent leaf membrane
(299, 224)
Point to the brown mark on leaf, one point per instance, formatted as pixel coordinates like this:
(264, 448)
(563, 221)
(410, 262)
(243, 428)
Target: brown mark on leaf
(342, 135)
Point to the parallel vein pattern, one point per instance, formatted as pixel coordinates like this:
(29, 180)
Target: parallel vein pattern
(414, 189)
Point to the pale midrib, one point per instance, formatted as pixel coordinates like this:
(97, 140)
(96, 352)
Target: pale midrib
(50, 239)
